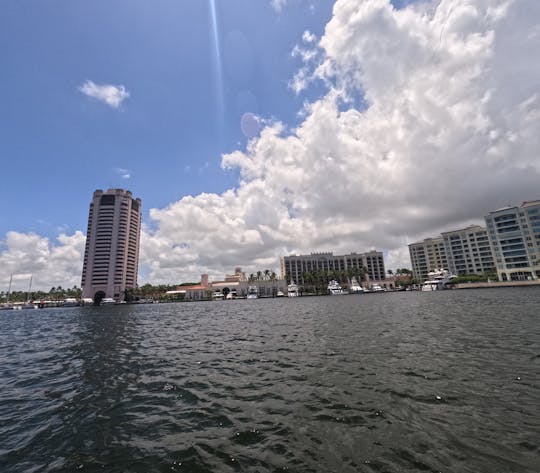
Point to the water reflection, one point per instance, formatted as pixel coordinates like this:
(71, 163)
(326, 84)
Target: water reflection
(106, 347)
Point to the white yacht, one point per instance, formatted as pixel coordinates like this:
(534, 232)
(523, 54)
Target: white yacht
(107, 301)
(292, 290)
(218, 295)
(252, 293)
(355, 288)
(377, 288)
(437, 280)
(334, 288)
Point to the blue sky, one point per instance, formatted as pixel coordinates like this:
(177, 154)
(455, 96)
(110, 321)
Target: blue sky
(375, 123)
(183, 112)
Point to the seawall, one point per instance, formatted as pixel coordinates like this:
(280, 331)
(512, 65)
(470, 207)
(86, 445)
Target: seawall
(486, 285)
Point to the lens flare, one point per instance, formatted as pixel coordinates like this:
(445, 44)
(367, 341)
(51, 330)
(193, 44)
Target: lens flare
(217, 65)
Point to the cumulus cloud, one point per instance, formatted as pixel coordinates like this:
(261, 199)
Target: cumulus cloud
(112, 95)
(49, 264)
(430, 121)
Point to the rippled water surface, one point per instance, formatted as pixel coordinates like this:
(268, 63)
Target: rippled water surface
(399, 382)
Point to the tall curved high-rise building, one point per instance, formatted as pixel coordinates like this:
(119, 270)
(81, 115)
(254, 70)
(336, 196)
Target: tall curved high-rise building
(111, 255)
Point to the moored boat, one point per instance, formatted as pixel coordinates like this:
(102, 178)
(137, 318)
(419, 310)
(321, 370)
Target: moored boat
(252, 293)
(377, 288)
(355, 288)
(334, 289)
(29, 305)
(437, 280)
(70, 302)
(292, 290)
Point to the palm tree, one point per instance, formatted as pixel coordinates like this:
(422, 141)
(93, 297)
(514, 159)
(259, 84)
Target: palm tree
(272, 277)
(266, 274)
(308, 279)
(360, 274)
(351, 273)
(251, 277)
(259, 275)
(321, 279)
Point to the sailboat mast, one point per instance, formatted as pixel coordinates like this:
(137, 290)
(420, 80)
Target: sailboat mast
(9, 289)
(29, 288)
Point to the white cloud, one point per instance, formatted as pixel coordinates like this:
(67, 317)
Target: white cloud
(445, 130)
(278, 4)
(308, 37)
(309, 54)
(431, 119)
(28, 255)
(112, 95)
(123, 173)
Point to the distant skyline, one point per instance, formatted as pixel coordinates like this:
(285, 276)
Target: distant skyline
(254, 129)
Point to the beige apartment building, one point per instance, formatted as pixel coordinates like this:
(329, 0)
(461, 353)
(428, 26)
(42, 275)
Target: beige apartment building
(111, 255)
(427, 255)
(294, 267)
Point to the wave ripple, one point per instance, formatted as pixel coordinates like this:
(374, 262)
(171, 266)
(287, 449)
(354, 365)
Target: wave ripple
(400, 382)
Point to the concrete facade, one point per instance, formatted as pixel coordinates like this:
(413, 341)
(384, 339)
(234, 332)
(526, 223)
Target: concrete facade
(111, 255)
(427, 255)
(509, 245)
(468, 251)
(463, 251)
(236, 284)
(514, 234)
(294, 267)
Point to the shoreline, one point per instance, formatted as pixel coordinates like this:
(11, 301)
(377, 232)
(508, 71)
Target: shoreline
(495, 284)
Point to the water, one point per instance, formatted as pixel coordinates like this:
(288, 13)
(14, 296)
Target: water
(400, 382)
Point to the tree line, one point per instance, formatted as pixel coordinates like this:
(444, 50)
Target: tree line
(55, 294)
(265, 275)
(317, 280)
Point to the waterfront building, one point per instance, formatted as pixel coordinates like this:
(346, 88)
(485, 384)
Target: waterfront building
(234, 284)
(427, 255)
(468, 251)
(514, 234)
(293, 267)
(111, 253)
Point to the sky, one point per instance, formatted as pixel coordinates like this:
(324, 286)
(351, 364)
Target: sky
(253, 129)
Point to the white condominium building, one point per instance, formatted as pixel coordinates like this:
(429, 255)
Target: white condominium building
(111, 255)
(294, 267)
(468, 251)
(514, 234)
